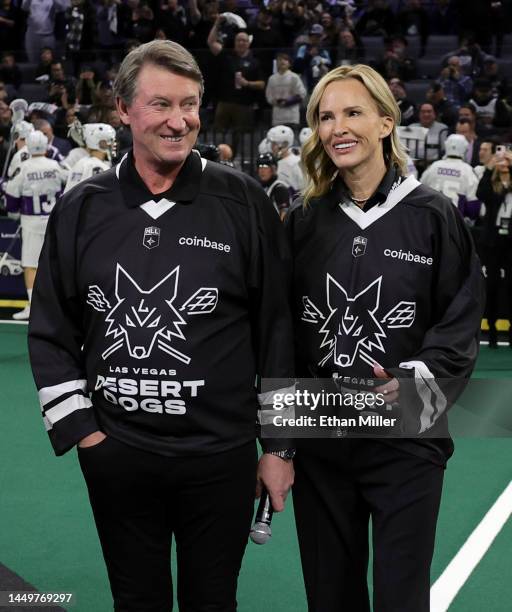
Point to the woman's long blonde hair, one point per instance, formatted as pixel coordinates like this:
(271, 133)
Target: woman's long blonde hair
(319, 168)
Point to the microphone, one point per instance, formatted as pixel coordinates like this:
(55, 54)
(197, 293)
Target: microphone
(19, 109)
(261, 532)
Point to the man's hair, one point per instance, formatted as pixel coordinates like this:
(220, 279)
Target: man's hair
(320, 169)
(427, 104)
(164, 53)
(469, 106)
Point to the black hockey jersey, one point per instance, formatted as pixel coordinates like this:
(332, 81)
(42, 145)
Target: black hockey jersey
(152, 315)
(397, 284)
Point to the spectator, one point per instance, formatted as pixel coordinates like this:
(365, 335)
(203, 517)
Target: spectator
(41, 25)
(240, 80)
(464, 128)
(5, 115)
(225, 154)
(142, 26)
(468, 111)
(4, 94)
(413, 20)
(396, 62)
(291, 20)
(285, 92)
(172, 19)
(80, 32)
(495, 191)
(265, 39)
(86, 86)
(61, 87)
(445, 111)
(46, 59)
(312, 59)
(485, 153)
(350, 48)
(484, 101)
(436, 135)
(457, 86)
(10, 72)
(377, 19)
(61, 144)
(491, 71)
(444, 18)
(331, 30)
(470, 55)
(110, 17)
(201, 22)
(406, 106)
(10, 19)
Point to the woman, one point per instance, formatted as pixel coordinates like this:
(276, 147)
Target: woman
(495, 190)
(387, 286)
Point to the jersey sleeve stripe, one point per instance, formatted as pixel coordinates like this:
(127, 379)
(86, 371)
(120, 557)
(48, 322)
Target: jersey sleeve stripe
(268, 398)
(49, 394)
(65, 408)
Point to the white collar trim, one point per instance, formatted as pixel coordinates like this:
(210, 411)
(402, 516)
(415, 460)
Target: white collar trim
(365, 219)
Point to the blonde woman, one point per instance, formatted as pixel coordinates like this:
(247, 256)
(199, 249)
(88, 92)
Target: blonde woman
(386, 286)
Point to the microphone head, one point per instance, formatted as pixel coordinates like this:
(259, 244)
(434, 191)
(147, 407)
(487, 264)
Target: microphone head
(260, 533)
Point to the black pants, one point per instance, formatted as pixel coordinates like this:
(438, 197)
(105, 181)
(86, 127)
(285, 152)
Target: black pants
(140, 499)
(339, 485)
(497, 258)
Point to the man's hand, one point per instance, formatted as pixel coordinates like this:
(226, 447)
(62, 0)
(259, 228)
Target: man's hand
(276, 475)
(390, 390)
(92, 439)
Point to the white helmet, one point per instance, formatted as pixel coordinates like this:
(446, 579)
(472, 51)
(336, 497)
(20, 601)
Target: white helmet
(304, 134)
(265, 146)
(282, 135)
(99, 136)
(456, 145)
(23, 129)
(37, 143)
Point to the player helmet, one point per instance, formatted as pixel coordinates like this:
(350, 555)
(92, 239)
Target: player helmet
(99, 137)
(282, 135)
(266, 160)
(456, 145)
(304, 134)
(23, 129)
(37, 143)
(265, 146)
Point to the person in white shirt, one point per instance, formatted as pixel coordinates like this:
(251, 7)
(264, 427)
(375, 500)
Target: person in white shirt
(437, 133)
(451, 175)
(99, 139)
(289, 170)
(285, 92)
(32, 192)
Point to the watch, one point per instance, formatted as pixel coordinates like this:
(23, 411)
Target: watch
(287, 454)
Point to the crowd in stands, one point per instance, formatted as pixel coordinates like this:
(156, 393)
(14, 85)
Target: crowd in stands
(448, 63)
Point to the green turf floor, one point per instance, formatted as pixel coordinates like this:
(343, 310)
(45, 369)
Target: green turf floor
(48, 537)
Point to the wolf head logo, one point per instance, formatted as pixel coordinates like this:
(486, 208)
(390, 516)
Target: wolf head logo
(138, 312)
(351, 326)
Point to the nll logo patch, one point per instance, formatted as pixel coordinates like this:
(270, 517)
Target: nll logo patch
(142, 320)
(151, 237)
(359, 246)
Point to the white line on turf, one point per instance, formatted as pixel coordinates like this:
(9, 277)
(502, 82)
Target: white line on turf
(8, 322)
(449, 583)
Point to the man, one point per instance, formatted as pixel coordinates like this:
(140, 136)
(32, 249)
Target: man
(445, 111)
(99, 140)
(33, 191)
(457, 86)
(277, 191)
(240, 81)
(406, 106)
(437, 132)
(312, 59)
(466, 129)
(62, 146)
(41, 25)
(285, 92)
(162, 292)
(289, 171)
(485, 154)
(452, 176)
